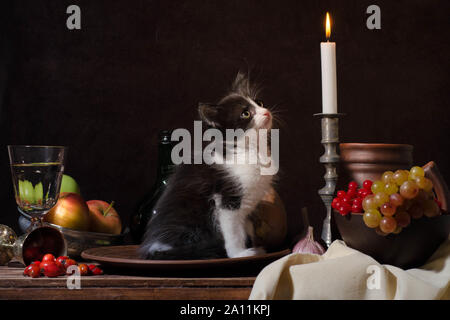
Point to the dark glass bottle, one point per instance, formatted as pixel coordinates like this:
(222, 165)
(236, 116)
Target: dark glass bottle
(145, 210)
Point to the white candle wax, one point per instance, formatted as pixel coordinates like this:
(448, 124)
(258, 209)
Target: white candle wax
(329, 90)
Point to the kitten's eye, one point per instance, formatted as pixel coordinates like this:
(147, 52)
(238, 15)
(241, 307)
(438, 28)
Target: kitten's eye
(245, 114)
(259, 103)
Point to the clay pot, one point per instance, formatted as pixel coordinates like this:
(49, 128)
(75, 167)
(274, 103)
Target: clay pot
(415, 244)
(361, 161)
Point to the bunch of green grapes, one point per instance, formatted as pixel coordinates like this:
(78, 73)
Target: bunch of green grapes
(397, 198)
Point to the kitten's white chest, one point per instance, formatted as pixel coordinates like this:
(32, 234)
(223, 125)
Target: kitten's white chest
(253, 184)
(234, 224)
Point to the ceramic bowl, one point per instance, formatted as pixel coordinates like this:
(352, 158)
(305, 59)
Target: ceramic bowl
(411, 248)
(415, 243)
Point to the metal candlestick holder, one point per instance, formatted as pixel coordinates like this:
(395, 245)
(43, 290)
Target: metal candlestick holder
(330, 159)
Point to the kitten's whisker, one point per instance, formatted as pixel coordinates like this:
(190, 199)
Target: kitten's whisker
(279, 112)
(279, 121)
(275, 111)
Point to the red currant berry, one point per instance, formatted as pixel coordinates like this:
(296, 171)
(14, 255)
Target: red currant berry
(352, 193)
(344, 210)
(365, 193)
(357, 201)
(346, 200)
(341, 194)
(334, 203)
(352, 185)
(356, 208)
(367, 184)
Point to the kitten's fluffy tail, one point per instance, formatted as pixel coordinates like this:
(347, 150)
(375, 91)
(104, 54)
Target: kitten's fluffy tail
(202, 250)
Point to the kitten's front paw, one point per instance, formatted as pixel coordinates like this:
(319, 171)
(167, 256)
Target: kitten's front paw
(250, 252)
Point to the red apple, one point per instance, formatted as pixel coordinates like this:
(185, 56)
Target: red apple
(71, 211)
(104, 218)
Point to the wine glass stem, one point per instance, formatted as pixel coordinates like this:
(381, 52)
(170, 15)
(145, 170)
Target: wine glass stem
(36, 222)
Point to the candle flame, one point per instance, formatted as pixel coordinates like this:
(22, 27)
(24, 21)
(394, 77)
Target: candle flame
(328, 27)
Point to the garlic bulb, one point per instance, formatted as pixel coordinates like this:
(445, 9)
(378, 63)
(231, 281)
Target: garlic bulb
(308, 244)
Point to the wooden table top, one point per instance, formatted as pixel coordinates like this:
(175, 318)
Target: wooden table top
(15, 286)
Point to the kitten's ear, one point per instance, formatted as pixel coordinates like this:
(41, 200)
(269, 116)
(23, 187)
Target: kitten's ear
(242, 86)
(209, 113)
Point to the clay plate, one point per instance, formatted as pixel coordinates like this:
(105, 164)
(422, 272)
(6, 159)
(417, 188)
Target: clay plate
(125, 258)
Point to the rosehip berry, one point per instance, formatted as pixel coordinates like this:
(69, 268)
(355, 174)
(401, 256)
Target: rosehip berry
(44, 264)
(61, 261)
(35, 271)
(26, 271)
(367, 184)
(341, 194)
(54, 272)
(97, 271)
(49, 269)
(352, 185)
(48, 257)
(69, 262)
(84, 269)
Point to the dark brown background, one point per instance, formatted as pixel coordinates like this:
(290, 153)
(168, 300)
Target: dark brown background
(137, 67)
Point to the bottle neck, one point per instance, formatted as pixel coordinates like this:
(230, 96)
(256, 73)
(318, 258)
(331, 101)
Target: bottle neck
(165, 164)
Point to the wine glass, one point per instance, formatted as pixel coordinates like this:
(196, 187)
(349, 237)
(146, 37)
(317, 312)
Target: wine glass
(37, 173)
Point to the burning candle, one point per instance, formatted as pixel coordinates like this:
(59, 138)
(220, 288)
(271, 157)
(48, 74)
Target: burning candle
(328, 62)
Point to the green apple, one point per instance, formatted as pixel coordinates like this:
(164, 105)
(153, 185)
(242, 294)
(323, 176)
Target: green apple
(39, 193)
(26, 191)
(68, 184)
(35, 194)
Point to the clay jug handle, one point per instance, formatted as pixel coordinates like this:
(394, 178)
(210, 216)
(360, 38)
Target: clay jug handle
(440, 187)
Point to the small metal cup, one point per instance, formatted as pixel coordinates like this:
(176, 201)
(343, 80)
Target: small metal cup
(30, 246)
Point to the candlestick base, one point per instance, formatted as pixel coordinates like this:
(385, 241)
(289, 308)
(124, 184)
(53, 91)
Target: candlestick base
(330, 159)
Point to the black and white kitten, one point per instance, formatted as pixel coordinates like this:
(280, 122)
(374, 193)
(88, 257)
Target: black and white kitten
(203, 212)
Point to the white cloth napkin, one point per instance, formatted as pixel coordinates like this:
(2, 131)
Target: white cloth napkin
(345, 273)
